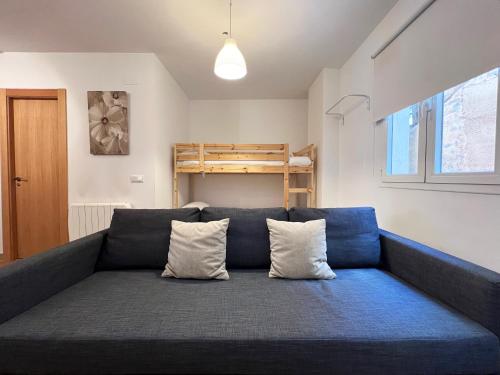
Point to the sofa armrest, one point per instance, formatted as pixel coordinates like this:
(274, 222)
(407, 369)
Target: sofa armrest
(27, 282)
(469, 288)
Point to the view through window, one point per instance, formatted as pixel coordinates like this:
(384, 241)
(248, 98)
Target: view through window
(466, 122)
(403, 142)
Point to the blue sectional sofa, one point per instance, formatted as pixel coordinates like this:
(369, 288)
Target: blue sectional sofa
(99, 306)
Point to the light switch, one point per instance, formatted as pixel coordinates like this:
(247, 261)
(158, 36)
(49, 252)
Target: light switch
(137, 178)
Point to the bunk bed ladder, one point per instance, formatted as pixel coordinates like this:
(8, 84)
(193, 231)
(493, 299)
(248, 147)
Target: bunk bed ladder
(310, 188)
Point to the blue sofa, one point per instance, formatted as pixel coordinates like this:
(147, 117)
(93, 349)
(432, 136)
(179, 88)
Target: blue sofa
(99, 306)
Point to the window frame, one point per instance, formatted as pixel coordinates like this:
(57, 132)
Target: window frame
(422, 135)
(470, 178)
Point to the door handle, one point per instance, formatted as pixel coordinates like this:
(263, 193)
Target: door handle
(19, 179)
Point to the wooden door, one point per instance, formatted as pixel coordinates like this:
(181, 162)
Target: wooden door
(36, 127)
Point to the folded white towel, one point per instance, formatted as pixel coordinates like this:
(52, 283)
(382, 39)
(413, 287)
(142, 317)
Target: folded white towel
(200, 205)
(299, 161)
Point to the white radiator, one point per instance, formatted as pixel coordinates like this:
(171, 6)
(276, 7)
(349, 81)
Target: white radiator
(88, 218)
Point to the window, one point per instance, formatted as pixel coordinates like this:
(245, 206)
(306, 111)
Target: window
(404, 146)
(462, 136)
(465, 132)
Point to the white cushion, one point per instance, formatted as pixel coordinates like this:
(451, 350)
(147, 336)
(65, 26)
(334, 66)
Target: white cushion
(298, 250)
(197, 250)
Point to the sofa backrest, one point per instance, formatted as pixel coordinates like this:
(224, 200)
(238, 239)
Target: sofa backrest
(247, 235)
(352, 234)
(140, 238)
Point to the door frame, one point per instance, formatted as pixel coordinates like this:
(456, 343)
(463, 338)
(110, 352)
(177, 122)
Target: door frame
(7, 163)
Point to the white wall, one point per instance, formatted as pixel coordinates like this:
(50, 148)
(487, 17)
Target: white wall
(323, 131)
(245, 121)
(158, 118)
(463, 224)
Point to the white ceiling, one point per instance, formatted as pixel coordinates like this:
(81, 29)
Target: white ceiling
(285, 42)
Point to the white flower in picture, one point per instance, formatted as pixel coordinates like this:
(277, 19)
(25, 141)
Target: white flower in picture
(108, 122)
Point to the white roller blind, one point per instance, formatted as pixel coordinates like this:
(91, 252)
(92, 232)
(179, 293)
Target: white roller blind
(452, 41)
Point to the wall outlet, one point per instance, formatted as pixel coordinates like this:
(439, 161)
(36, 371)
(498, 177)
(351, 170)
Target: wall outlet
(137, 178)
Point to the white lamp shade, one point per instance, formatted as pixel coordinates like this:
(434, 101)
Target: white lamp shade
(230, 63)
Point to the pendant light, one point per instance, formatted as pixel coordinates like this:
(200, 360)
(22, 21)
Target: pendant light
(230, 63)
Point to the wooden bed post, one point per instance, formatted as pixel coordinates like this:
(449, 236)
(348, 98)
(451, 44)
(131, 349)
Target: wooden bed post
(202, 157)
(175, 190)
(312, 178)
(286, 180)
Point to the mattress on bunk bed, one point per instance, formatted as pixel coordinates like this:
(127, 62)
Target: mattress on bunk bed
(295, 161)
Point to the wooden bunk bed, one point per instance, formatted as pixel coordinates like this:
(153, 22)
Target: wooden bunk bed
(215, 158)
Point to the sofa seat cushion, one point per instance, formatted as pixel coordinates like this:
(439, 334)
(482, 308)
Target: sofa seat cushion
(364, 322)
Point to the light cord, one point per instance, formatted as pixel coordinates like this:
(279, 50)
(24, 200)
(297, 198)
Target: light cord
(230, 17)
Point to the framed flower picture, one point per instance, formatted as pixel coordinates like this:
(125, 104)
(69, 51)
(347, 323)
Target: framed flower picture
(108, 122)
